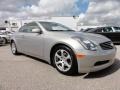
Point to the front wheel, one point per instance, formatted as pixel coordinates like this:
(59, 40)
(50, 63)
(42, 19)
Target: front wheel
(64, 60)
(4, 41)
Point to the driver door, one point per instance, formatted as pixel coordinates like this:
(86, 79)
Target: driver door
(32, 42)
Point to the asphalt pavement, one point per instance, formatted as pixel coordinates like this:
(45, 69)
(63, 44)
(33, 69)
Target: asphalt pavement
(23, 72)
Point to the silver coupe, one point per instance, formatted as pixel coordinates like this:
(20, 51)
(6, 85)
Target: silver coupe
(67, 50)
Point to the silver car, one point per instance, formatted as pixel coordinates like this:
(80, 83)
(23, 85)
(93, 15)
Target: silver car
(1, 41)
(6, 37)
(67, 50)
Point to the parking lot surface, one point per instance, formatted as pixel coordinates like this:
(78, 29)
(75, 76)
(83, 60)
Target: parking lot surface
(26, 73)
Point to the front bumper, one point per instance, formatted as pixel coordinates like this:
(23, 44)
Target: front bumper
(88, 62)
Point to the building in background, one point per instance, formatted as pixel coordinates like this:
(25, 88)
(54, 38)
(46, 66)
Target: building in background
(72, 22)
(3, 28)
(15, 24)
(68, 21)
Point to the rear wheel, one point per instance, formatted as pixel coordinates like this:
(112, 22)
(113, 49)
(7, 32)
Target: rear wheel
(14, 48)
(64, 60)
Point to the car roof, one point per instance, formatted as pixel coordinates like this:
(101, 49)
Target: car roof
(93, 29)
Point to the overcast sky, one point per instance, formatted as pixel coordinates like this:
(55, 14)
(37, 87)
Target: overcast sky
(95, 12)
(101, 12)
(38, 8)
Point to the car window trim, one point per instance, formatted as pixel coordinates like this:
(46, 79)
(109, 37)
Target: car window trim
(27, 25)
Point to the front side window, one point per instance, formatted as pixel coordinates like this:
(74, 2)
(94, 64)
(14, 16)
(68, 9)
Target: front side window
(110, 29)
(29, 27)
(51, 26)
(107, 29)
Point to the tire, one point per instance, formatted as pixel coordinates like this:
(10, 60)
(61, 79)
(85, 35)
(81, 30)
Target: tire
(64, 60)
(14, 48)
(4, 41)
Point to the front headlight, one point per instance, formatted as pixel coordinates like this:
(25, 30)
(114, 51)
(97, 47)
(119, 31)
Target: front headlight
(87, 44)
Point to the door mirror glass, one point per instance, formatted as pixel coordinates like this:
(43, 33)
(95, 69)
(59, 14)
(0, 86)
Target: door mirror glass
(36, 30)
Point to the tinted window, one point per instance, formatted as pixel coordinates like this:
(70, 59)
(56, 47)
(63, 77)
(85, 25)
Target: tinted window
(117, 29)
(98, 30)
(107, 29)
(104, 30)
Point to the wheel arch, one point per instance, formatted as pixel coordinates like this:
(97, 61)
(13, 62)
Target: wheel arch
(5, 39)
(56, 45)
(11, 41)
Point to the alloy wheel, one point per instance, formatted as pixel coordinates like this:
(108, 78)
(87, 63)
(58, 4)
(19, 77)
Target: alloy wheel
(13, 48)
(63, 60)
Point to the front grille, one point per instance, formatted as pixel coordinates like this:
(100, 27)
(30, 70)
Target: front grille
(101, 63)
(107, 45)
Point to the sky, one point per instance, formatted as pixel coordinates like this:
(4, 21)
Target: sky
(92, 12)
(102, 12)
(39, 8)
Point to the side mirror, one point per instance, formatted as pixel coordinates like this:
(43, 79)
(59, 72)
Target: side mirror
(36, 30)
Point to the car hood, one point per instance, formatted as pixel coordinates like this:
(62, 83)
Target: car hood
(89, 36)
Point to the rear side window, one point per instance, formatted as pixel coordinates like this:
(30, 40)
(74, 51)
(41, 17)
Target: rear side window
(117, 29)
(99, 30)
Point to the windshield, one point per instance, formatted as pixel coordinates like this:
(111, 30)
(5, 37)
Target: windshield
(52, 26)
